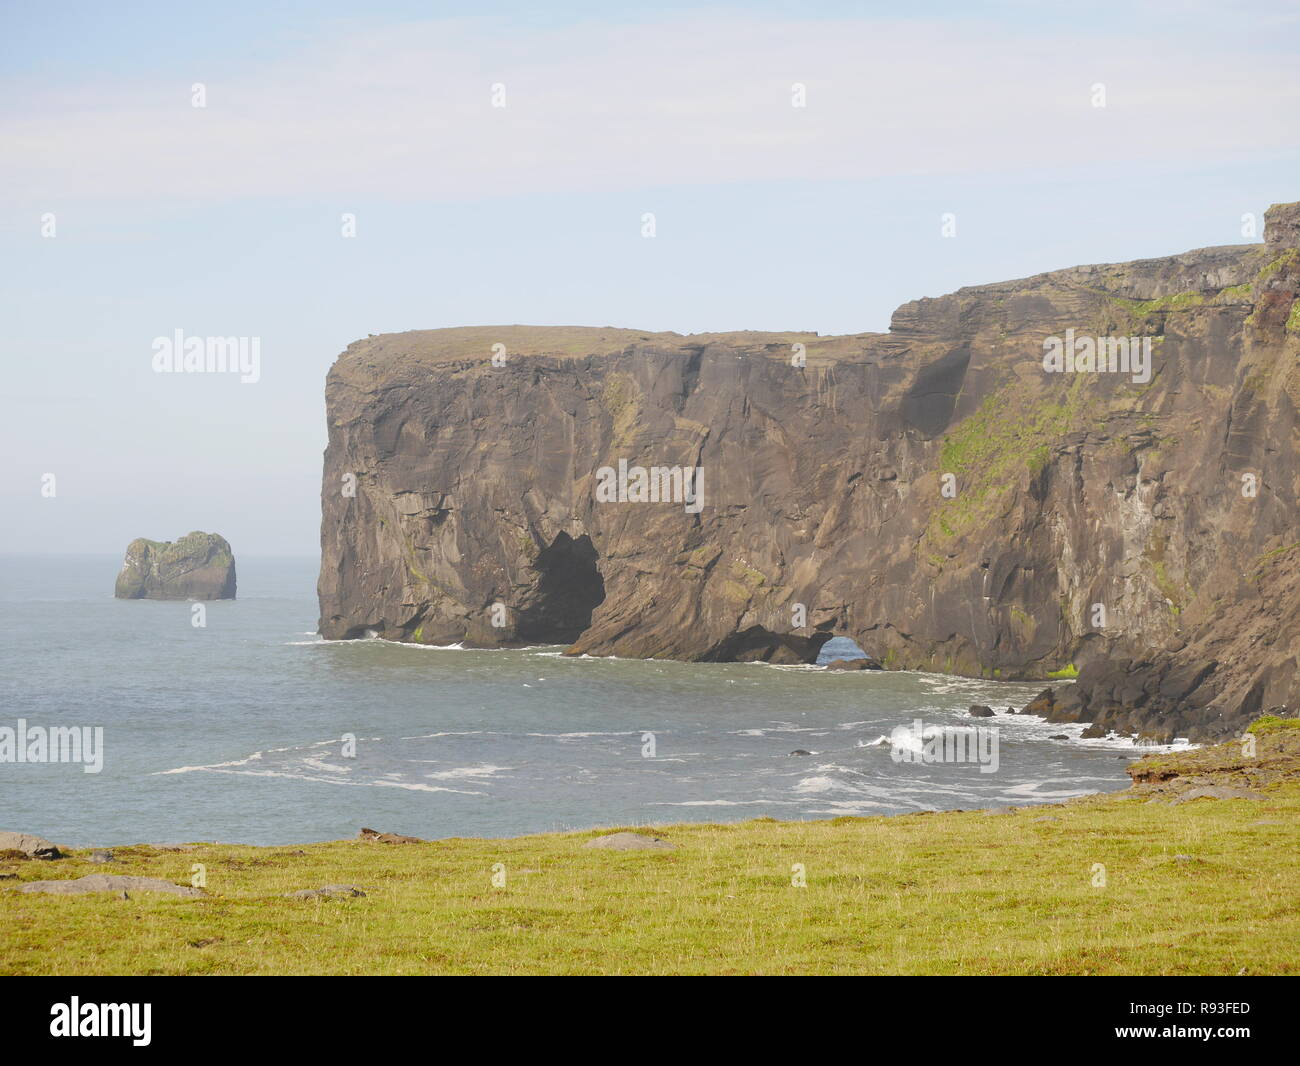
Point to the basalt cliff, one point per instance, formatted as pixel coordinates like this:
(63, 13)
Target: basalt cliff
(942, 493)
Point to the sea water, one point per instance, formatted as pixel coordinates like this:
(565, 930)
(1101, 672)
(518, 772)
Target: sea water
(251, 729)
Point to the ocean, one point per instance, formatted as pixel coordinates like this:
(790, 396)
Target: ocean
(235, 731)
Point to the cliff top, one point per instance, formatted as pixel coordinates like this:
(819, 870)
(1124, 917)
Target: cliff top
(1198, 270)
(472, 343)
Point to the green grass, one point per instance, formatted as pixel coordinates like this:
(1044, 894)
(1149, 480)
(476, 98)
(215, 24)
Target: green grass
(1068, 671)
(952, 893)
(990, 450)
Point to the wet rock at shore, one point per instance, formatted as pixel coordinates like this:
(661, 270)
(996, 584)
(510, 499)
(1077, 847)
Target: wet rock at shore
(978, 710)
(854, 664)
(198, 566)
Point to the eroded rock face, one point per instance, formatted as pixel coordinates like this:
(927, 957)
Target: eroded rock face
(933, 493)
(199, 566)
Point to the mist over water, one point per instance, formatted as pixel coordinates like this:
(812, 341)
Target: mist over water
(232, 732)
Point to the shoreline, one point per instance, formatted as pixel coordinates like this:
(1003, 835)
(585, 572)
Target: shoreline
(1193, 869)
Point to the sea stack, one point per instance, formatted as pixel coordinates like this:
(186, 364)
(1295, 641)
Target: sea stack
(198, 566)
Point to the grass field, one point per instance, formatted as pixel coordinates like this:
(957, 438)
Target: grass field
(1202, 887)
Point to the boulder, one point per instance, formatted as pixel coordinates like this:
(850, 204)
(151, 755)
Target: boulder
(629, 842)
(33, 847)
(980, 711)
(101, 856)
(108, 883)
(199, 566)
(387, 838)
(1042, 704)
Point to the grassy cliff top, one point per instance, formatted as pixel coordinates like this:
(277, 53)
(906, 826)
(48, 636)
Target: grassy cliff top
(472, 343)
(1200, 887)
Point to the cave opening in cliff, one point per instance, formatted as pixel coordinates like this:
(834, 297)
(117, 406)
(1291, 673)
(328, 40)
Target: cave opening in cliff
(568, 590)
(840, 647)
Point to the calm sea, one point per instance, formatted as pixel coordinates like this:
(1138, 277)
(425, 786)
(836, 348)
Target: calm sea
(233, 731)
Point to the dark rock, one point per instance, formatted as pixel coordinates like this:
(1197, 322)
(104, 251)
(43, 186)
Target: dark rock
(1041, 705)
(1058, 736)
(199, 566)
(800, 751)
(854, 664)
(980, 711)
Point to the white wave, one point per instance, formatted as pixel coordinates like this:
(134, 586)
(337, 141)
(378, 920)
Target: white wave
(819, 783)
(325, 767)
(410, 786)
(482, 770)
(213, 766)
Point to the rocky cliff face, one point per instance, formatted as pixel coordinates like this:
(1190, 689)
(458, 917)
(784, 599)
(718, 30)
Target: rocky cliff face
(198, 566)
(943, 494)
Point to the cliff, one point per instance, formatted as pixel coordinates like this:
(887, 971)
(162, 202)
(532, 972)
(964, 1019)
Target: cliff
(935, 493)
(198, 566)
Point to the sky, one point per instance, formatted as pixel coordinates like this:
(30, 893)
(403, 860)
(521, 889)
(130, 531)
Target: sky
(127, 213)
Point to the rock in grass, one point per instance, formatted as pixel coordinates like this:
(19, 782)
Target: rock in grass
(198, 566)
(99, 855)
(1218, 792)
(629, 842)
(32, 846)
(108, 883)
(387, 838)
(326, 892)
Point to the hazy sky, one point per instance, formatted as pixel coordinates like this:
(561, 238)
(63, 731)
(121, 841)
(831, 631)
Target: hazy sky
(225, 220)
